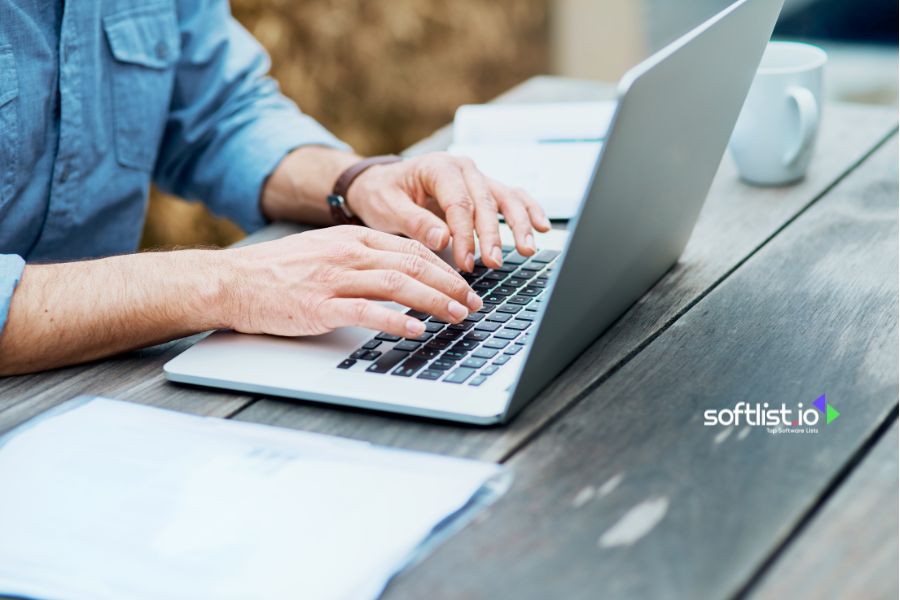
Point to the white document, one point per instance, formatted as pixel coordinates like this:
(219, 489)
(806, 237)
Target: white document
(108, 500)
(549, 150)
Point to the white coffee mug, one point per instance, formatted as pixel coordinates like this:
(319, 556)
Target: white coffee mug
(773, 140)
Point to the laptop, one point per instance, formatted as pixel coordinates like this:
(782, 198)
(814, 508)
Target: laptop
(674, 116)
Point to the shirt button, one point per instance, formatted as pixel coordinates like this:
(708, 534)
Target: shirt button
(162, 51)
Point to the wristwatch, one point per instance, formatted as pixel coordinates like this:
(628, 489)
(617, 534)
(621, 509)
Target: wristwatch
(337, 200)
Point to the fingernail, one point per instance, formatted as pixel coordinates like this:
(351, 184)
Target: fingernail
(470, 261)
(497, 255)
(474, 301)
(415, 327)
(545, 222)
(529, 241)
(457, 310)
(433, 238)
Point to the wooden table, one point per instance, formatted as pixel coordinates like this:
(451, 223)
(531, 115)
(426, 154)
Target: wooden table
(620, 491)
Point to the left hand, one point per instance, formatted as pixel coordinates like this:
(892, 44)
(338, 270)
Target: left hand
(435, 197)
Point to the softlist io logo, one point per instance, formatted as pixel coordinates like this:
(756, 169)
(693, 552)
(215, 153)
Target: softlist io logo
(776, 419)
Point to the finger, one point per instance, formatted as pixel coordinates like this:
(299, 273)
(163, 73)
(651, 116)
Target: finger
(487, 225)
(444, 279)
(418, 223)
(517, 218)
(443, 180)
(403, 289)
(378, 240)
(535, 211)
(356, 312)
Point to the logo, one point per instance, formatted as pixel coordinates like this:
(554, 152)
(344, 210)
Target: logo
(776, 419)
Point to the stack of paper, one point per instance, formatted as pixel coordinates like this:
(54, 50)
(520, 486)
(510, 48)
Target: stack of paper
(549, 150)
(105, 499)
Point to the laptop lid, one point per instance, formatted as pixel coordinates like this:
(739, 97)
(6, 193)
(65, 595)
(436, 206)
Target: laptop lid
(675, 115)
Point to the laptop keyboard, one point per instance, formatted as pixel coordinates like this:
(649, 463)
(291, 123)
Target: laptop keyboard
(473, 350)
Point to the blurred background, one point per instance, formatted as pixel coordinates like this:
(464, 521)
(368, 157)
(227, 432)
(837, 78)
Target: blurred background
(381, 74)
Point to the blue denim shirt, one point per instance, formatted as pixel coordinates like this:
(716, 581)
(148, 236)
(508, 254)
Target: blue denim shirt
(103, 96)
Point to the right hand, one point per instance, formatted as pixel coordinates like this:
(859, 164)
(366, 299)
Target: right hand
(318, 281)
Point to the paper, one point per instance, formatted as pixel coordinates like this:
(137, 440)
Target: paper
(107, 499)
(549, 150)
(488, 124)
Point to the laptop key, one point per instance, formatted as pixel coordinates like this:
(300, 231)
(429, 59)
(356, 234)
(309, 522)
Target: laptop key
(496, 344)
(489, 370)
(475, 317)
(346, 363)
(459, 375)
(432, 327)
(514, 258)
(487, 326)
(507, 334)
(499, 317)
(519, 325)
(449, 335)
(485, 353)
(509, 308)
(427, 353)
(387, 361)
(387, 337)
(530, 290)
(438, 344)
(418, 314)
(442, 365)
(465, 345)
(474, 363)
(493, 299)
(464, 326)
(503, 290)
(366, 354)
(430, 374)
(476, 381)
(515, 282)
(421, 338)
(371, 345)
(512, 350)
(502, 359)
(478, 336)
(545, 256)
(410, 367)
(454, 354)
(407, 346)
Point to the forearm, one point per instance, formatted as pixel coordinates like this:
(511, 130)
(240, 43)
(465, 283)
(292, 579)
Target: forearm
(74, 312)
(298, 188)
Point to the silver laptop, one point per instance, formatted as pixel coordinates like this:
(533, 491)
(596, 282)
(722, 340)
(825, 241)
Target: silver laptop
(674, 116)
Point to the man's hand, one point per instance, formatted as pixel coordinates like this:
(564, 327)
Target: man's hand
(431, 198)
(317, 281)
(436, 197)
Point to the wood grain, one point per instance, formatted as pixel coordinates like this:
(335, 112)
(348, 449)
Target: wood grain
(628, 495)
(735, 222)
(849, 549)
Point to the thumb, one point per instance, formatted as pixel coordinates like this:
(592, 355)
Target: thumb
(420, 224)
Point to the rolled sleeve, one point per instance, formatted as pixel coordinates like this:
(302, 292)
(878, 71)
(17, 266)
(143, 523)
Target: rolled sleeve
(11, 267)
(229, 126)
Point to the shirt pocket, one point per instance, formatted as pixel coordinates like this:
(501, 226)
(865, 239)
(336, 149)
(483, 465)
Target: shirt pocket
(9, 124)
(144, 44)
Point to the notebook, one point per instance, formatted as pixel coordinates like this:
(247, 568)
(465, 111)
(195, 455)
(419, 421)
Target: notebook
(548, 149)
(105, 499)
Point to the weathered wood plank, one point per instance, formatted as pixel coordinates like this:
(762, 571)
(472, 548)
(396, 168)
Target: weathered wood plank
(629, 495)
(736, 220)
(849, 549)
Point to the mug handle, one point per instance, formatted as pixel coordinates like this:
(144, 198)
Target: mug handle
(809, 121)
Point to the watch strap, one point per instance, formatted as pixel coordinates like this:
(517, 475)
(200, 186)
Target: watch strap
(337, 200)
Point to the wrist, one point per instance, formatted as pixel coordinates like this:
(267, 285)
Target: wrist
(210, 302)
(298, 188)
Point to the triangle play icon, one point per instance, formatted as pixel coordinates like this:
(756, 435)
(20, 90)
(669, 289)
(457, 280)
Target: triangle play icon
(831, 414)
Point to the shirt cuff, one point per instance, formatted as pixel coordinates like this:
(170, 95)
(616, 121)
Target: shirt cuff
(11, 266)
(262, 149)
